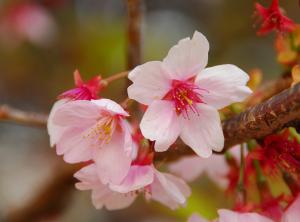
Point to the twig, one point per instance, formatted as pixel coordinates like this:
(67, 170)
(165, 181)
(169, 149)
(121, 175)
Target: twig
(10, 114)
(114, 77)
(134, 34)
(280, 111)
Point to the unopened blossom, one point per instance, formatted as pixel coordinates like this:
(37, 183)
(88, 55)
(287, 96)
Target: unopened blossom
(272, 18)
(27, 21)
(83, 90)
(94, 130)
(183, 96)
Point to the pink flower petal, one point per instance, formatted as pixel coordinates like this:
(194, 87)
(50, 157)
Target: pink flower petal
(203, 131)
(111, 200)
(293, 211)
(88, 178)
(54, 130)
(137, 178)
(223, 84)
(231, 216)
(102, 196)
(111, 106)
(160, 123)
(74, 147)
(196, 218)
(79, 113)
(112, 161)
(188, 57)
(150, 82)
(169, 190)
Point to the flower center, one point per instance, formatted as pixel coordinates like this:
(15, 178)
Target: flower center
(185, 96)
(102, 131)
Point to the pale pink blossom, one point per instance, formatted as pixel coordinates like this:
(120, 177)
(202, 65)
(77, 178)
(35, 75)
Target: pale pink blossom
(102, 195)
(169, 190)
(93, 130)
(162, 187)
(216, 167)
(145, 179)
(183, 96)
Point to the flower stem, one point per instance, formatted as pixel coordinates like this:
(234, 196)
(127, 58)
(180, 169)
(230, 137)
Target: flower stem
(114, 77)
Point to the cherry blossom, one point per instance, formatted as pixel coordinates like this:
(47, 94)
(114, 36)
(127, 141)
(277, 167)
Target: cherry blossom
(102, 196)
(93, 130)
(183, 96)
(145, 179)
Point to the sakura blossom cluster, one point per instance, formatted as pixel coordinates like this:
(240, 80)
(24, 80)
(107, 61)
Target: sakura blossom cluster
(118, 156)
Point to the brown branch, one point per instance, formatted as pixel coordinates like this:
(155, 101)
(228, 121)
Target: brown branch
(134, 34)
(257, 122)
(10, 114)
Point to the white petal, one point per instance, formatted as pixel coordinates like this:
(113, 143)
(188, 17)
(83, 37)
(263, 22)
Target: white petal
(112, 161)
(54, 130)
(110, 106)
(188, 57)
(203, 131)
(150, 82)
(223, 85)
(160, 123)
(137, 178)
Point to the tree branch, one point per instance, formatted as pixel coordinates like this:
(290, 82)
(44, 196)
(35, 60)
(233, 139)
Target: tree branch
(10, 114)
(280, 111)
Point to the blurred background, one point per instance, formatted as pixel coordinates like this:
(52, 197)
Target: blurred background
(43, 42)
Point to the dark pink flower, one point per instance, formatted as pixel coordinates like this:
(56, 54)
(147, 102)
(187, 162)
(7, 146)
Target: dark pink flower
(272, 18)
(84, 90)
